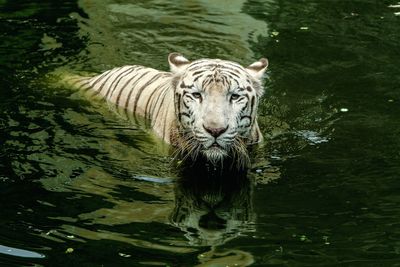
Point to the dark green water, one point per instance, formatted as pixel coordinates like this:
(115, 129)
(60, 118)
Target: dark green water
(80, 186)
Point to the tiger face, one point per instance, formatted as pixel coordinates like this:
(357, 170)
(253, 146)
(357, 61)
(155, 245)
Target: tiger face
(216, 106)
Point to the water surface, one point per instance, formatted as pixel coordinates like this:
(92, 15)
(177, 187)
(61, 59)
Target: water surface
(82, 186)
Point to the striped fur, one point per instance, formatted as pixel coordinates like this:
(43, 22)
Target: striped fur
(206, 107)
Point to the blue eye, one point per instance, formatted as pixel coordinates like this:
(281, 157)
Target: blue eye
(235, 96)
(196, 95)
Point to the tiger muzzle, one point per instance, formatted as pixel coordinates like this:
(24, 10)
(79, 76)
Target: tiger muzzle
(215, 132)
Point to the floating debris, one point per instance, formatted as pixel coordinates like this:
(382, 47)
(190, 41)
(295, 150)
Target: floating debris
(51, 232)
(325, 238)
(351, 15)
(304, 28)
(165, 180)
(69, 250)
(23, 253)
(312, 136)
(274, 33)
(304, 238)
(124, 255)
(344, 110)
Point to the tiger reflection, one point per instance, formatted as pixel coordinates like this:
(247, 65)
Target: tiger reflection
(213, 207)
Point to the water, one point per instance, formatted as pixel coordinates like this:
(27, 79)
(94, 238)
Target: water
(81, 186)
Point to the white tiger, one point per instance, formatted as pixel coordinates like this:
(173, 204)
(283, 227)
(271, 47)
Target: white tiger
(207, 107)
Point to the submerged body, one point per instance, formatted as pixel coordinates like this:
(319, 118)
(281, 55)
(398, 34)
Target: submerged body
(206, 107)
(142, 91)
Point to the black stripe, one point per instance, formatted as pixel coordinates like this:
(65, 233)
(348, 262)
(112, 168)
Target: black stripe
(184, 114)
(189, 96)
(207, 82)
(183, 85)
(162, 94)
(252, 106)
(115, 83)
(165, 123)
(224, 80)
(85, 89)
(198, 72)
(108, 78)
(245, 107)
(186, 106)
(198, 77)
(81, 86)
(132, 87)
(246, 117)
(232, 74)
(204, 67)
(151, 100)
(257, 136)
(141, 89)
(162, 102)
(233, 65)
(194, 64)
(100, 77)
(73, 81)
(122, 89)
(178, 106)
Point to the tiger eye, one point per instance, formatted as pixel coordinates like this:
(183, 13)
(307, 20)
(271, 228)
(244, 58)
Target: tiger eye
(196, 95)
(235, 96)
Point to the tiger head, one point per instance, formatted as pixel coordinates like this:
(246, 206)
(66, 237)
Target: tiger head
(216, 107)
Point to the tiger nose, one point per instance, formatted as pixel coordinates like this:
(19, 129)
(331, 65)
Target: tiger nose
(215, 131)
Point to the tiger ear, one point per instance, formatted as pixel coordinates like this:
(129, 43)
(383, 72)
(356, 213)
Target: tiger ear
(177, 62)
(258, 68)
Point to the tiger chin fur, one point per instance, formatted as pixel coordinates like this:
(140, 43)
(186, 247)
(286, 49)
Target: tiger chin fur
(205, 108)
